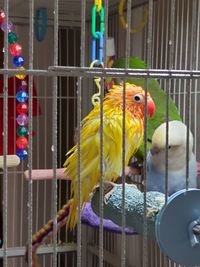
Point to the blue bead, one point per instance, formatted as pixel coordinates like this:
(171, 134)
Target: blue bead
(22, 154)
(18, 61)
(22, 96)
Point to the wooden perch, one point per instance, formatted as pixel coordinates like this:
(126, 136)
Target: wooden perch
(46, 174)
(11, 161)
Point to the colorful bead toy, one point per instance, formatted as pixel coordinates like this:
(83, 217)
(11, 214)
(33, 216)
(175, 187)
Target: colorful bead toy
(22, 142)
(22, 154)
(9, 26)
(21, 96)
(18, 61)
(15, 50)
(22, 108)
(20, 76)
(22, 131)
(12, 38)
(2, 16)
(22, 119)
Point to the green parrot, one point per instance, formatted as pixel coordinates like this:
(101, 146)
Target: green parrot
(159, 97)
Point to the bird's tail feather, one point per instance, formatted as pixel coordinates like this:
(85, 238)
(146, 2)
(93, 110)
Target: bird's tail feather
(73, 215)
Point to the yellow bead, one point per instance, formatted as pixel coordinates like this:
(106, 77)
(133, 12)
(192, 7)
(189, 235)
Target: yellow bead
(20, 76)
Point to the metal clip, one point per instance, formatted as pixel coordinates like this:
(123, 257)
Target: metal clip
(193, 233)
(96, 97)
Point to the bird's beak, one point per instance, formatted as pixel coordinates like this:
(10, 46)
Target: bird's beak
(154, 150)
(150, 107)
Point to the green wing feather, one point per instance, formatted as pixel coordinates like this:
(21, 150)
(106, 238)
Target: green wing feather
(158, 95)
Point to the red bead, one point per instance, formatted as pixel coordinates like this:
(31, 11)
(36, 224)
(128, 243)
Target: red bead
(22, 142)
(2, 16)
(22, 108)
(15, 49)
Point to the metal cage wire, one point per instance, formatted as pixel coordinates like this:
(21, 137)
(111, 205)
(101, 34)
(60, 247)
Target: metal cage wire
(59, 68)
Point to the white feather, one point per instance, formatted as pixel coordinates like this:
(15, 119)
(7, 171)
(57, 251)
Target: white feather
(177, 149)
(177, 145)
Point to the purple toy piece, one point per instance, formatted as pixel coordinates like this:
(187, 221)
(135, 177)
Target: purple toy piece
(88, 217)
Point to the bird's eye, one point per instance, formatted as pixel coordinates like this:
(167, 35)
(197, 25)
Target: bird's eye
(138, 98)
(169, 147)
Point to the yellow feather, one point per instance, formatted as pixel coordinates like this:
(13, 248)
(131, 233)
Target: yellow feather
(112, 145)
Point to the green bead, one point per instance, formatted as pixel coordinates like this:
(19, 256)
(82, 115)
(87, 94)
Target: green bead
(22, 131)
(12, 38)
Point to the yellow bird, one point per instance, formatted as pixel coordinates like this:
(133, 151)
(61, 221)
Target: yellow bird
(112, 142)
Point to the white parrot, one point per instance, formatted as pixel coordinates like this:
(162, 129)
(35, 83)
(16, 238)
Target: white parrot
(176, 159)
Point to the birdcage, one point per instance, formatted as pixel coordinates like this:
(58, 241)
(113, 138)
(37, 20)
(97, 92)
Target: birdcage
(56, 56)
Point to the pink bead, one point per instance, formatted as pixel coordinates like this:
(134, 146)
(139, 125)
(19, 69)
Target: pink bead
(24, 85)
(22, 119)
(9, 26)
(15, 49)
(22, 142)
